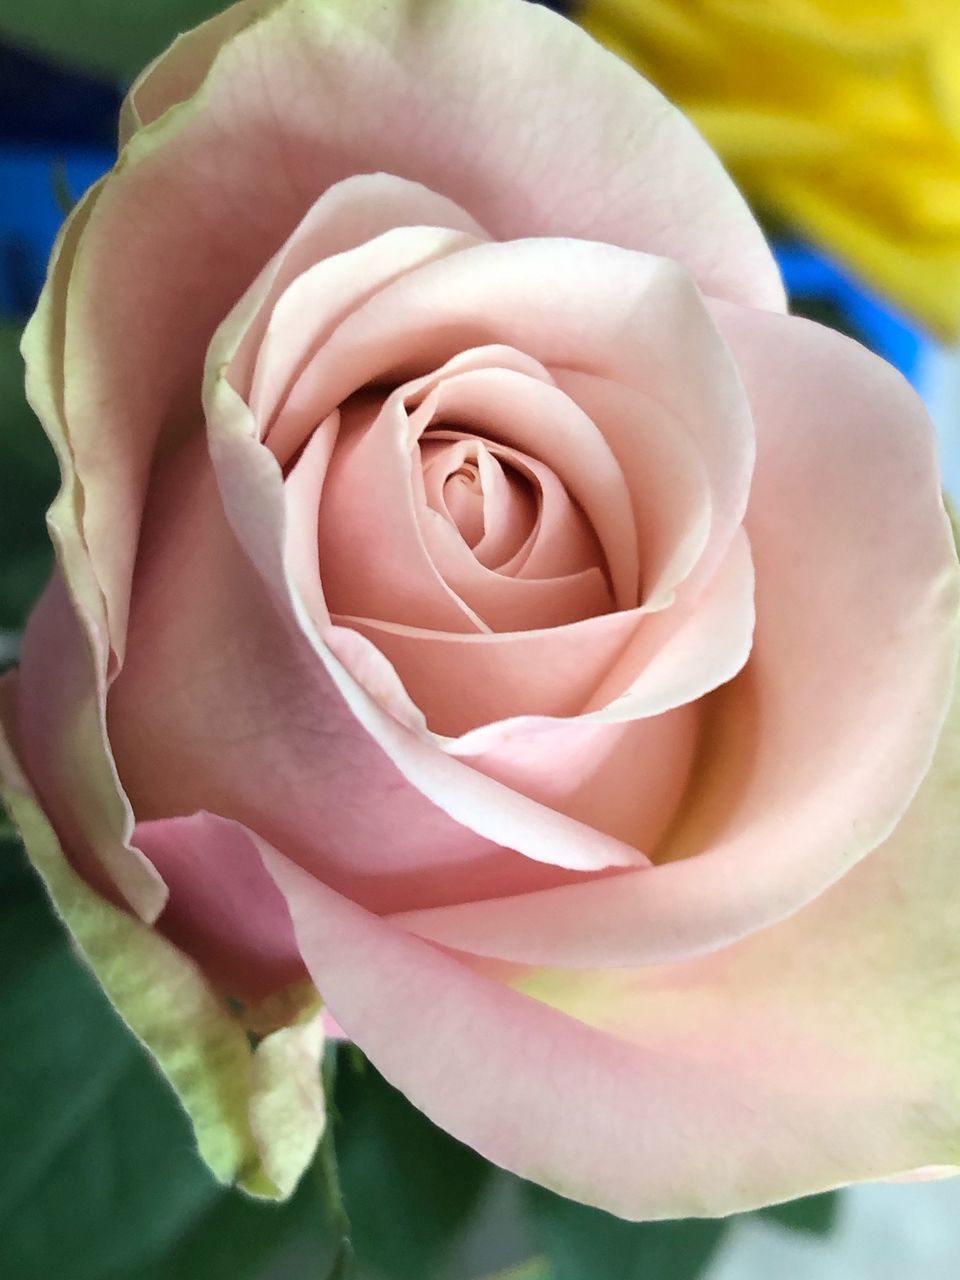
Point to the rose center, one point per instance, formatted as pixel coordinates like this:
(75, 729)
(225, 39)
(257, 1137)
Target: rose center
(491, 504)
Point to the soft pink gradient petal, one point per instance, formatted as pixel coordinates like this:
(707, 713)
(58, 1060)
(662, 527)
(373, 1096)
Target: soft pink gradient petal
(573, 585)
(60, 691)
(346, 216)
(495, 514)
(251, 485)
(461, 682)
(507, 604)
(373, 558)
(665, 191)
(688, 650)
(223, 908)
(625, 779)
(616, 667)
(593, 308)
(664, 473)
(60, 738)
(303, 491)
(311, 306)
(180, 70)
(234, 714)
(818, 1052)
(813, 753)
(540, 421)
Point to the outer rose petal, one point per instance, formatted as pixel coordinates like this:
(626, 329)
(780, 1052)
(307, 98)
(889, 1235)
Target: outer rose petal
(223, 909)
(226, 1087)
(663, 190)
(67, 650)
(819, 1052)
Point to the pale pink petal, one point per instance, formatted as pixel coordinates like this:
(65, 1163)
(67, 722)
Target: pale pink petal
(813, 753)
(575, 586)
(592, 308)
(68, 649)
(617, 666)
(315, 301)
(180, 70)
(664, 473)
(303, 490)
(373, 558)
(462, 681)
(287, 110)
(467, 484)
(234, 714)
(626, 779)
(818, 1052)
(223, 909)
(534, 417)
(60, 737)
(436, 118)
(251, 485)
(688, 650)
(349, 214)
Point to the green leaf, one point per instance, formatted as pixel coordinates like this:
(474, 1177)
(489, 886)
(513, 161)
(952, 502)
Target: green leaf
(112, 38)
(587, 1244)
(816, 1215)
(535, 1269)
(408, 1187)
(28, 482)
(100, 1179)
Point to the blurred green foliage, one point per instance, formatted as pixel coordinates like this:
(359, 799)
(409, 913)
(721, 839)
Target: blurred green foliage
(99, 1178)
(409, 1188)
(111, 38)
(586, 1244)
(28, 482)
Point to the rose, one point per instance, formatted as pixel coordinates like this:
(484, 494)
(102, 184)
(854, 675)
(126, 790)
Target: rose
(484, 600)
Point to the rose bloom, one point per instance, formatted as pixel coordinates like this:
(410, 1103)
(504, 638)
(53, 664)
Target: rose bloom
(479, 603)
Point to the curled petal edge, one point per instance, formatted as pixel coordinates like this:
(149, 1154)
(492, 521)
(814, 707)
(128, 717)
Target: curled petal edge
(257, 1113)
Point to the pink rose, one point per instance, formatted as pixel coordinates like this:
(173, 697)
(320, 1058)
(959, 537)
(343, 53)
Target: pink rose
(478, 597)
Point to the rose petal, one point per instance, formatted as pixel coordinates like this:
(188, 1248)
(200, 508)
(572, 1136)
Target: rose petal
(625, 778)
(463, 681)
(68, 650)
(815, 751)
(236, 694)
(223, 910)
(373, 557)
(327, 288)
(168, 1003)
(418, 61)
(58, 728)
(594, 308)
(616, 667)
(180, 70)
(251, 486)
(665, 476)
(302, 492)
(819, 1052)
(530, 415)
(434, 118)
